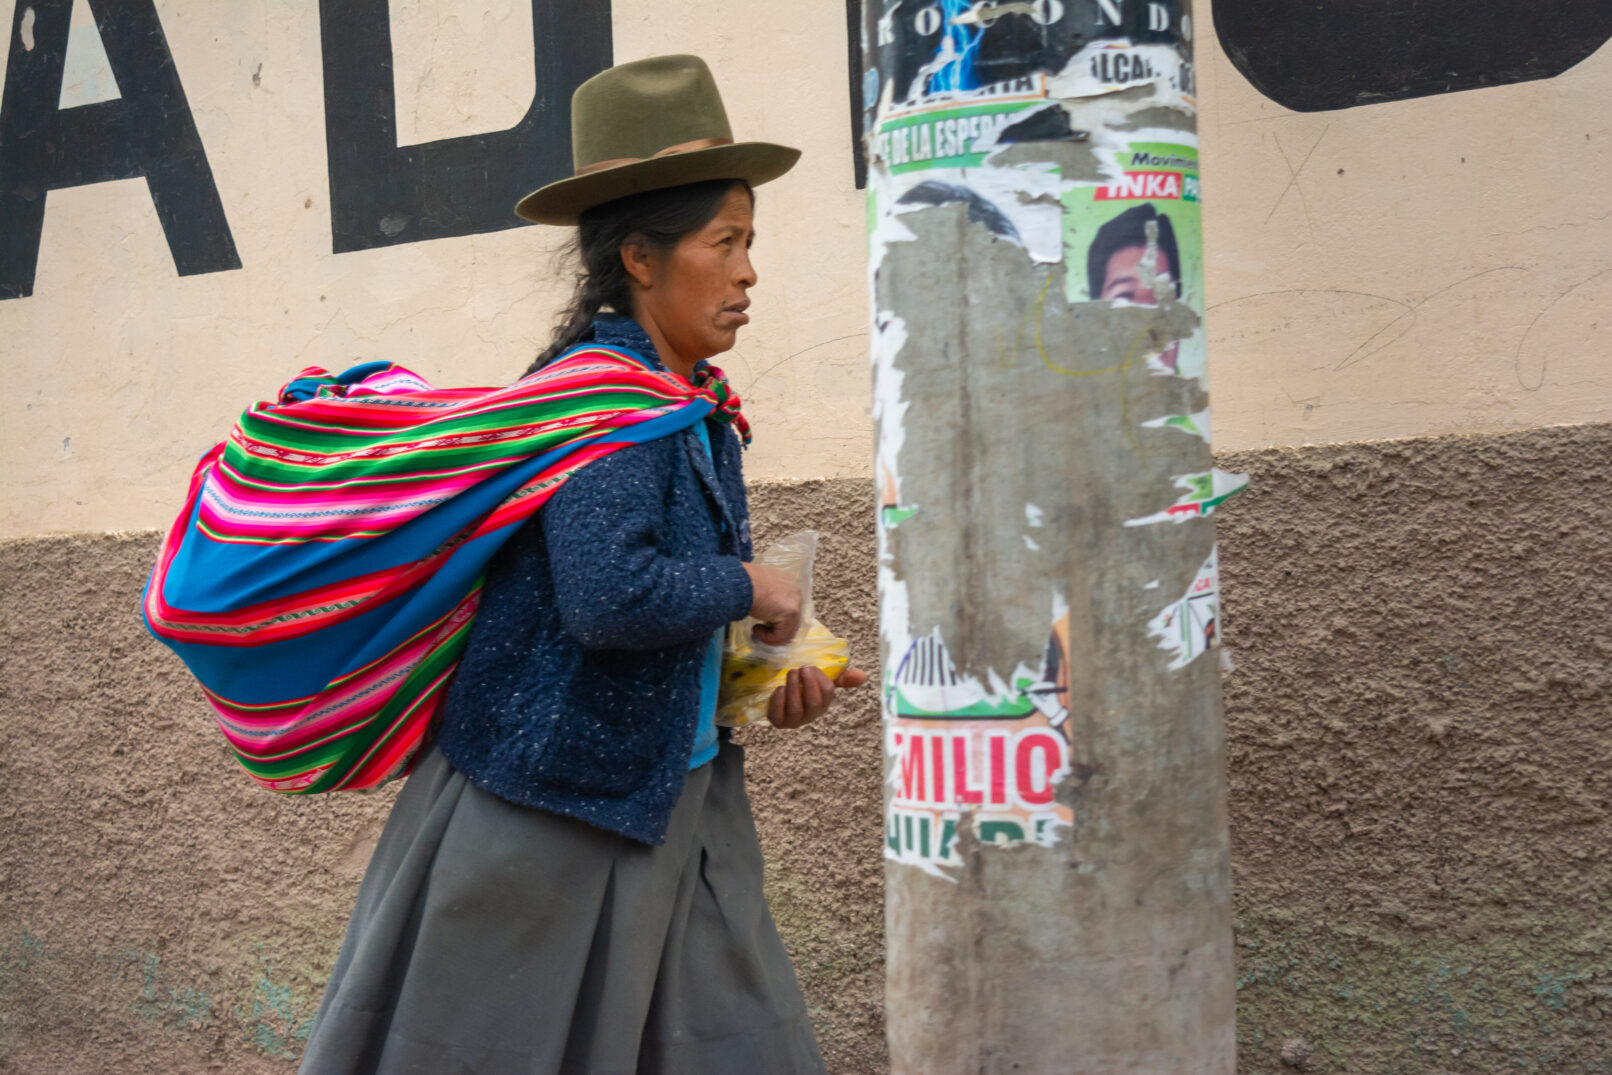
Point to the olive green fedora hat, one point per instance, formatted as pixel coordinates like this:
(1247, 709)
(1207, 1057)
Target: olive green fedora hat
(646, 125)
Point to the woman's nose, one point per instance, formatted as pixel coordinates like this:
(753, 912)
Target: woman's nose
(746, 275)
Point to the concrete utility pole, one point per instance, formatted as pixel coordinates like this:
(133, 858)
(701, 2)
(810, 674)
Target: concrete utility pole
(1057, 875)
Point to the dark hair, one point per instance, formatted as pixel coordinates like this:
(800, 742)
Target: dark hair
(1129, 229)
(661, 218)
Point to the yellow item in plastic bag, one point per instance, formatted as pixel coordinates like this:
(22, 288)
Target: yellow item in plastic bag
(751, 672)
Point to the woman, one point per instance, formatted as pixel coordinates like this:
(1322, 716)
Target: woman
(571, 881)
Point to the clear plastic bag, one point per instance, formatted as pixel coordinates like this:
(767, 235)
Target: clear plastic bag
(751, 669)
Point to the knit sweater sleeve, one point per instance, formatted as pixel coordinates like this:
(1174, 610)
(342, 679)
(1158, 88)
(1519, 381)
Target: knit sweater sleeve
(614, 587)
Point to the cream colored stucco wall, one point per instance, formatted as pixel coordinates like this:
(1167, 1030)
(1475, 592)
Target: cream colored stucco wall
(1443, 264)
(1437, 265)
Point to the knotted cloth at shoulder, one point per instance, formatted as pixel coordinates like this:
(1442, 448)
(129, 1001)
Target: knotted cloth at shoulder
(713, 380)
(322, 577)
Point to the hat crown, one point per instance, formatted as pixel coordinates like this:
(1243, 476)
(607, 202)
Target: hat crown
(636, 110)
(649, 125)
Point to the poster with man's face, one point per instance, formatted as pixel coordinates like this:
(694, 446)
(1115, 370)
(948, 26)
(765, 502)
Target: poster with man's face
(1135, 238)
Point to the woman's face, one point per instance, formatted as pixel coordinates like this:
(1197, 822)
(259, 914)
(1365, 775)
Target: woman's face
(696, 294)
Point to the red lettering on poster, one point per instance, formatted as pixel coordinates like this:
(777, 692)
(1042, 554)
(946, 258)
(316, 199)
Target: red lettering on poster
(961, 789)
(1026, 772)
(913, 784)
(998, 748)
(1141, 185)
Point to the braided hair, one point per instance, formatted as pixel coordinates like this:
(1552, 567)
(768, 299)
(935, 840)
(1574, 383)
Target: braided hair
(658, 218)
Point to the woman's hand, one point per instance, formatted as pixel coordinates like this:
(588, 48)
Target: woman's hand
(806, 695)
(776, 604)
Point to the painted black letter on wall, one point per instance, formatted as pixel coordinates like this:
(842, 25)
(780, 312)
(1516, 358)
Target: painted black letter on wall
(381, 193)
(1341, 53)
(147, 132)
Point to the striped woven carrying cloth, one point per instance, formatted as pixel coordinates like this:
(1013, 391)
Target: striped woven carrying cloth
(323, 575)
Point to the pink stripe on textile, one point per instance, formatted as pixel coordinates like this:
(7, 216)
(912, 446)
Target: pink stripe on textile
(315, 496)
(335, 718)
(343, 417)
(293, 783)
(228, 473)
(376, 767)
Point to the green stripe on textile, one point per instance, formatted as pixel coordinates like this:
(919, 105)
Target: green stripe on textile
(330, 439)
(372, 733)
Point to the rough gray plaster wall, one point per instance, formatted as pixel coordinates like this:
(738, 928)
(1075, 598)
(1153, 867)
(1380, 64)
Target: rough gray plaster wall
(1420, 736)
(816, 791)
(1420, 730)
(159, 913)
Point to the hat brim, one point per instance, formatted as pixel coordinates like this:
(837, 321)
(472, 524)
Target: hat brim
(562, 202)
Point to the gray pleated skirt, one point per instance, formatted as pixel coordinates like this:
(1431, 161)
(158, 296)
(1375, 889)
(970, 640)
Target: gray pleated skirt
(492, 938)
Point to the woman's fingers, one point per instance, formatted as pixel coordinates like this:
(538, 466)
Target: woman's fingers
(806, 694)
(778, 631)
(776, 603)
(797, 699)
(775, 708)
(816, 691)
(783, 708)
(851, 678)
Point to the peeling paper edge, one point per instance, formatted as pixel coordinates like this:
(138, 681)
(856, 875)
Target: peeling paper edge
(1166, 628)
(898, 622)
(952, 871)
(1074, 82)
(1224, 485)
(1029, 196)
(1196, 424)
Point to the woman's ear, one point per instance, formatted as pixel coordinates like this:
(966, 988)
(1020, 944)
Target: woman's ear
(635, 258)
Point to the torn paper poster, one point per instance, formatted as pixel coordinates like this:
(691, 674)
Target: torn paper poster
(1137, 236)
(1002, 779)
(958, 136)
(965, 752)
(1121, 64)
(1195, 424)
(1018, 204)
(923, 52)
(1204, 493)
(1188, 628)
(950, 86)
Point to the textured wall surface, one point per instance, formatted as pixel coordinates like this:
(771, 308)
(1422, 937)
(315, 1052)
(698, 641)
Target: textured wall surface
(1421, 753)
(159, 913)
(1420, 725)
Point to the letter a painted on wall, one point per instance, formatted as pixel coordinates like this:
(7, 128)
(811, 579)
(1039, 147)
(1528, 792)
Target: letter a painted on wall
(147, 131)
(382, 193)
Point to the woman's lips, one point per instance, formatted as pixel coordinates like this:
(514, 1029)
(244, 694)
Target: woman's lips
(734, 316)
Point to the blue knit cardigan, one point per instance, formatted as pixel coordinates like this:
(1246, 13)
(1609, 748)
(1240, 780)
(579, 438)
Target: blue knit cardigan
(579, 689)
